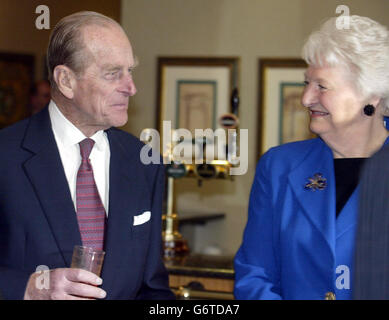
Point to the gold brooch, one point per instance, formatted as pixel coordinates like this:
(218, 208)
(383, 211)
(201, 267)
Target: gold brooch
(317, 182)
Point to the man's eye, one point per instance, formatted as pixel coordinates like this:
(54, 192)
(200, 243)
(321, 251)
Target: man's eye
(111, 75)
(321, 87)
(306, 83)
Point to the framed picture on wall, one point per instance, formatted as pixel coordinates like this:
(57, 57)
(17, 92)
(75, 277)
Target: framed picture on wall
(16, 79)
(282, 118)
(194, 92)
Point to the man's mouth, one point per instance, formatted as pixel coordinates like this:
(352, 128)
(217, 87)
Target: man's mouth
(120, 105)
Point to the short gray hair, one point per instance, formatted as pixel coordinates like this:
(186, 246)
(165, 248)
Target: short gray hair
(66, 45)
(363, 49)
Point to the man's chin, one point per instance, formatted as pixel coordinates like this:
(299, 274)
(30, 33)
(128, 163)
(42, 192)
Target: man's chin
(119, 122)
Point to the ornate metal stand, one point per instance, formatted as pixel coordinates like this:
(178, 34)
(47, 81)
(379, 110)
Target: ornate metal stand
(175, 246)
(173, 242)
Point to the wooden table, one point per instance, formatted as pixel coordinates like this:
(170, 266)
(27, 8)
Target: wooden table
(201, 276)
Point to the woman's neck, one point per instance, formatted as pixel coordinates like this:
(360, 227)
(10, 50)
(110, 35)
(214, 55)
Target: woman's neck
(358, 144)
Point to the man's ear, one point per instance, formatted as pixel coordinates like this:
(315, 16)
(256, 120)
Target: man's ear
(65, 80)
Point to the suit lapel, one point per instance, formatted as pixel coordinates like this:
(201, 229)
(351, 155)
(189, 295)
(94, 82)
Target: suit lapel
(122, 207)
(318, 206)
(45, 172)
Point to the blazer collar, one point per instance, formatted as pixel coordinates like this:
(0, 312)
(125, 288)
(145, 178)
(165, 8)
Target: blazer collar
(124, 194)
(46, 174)
(318, 205)
(348, 218)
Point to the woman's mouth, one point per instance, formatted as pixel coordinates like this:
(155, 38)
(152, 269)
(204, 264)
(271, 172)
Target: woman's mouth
(315, 113)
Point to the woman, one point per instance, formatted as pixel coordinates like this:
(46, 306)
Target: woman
(299, 238)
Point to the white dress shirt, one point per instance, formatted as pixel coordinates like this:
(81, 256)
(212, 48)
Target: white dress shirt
(68, 137)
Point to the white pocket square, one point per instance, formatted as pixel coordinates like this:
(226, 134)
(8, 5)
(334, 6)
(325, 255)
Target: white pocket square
(142, 218)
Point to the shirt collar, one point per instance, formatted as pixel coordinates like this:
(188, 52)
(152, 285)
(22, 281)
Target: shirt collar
(67, 133)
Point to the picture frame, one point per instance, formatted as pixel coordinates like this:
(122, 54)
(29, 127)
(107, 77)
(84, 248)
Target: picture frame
(282, 118)
(193, 92)
(16, 80)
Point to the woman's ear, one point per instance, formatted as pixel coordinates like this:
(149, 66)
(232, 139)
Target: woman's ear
(65, 80)
(374, 100)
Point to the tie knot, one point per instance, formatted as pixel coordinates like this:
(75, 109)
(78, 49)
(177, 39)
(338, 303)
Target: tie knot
(86, 147)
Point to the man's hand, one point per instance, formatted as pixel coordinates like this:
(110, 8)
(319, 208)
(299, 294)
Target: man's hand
(66, 284)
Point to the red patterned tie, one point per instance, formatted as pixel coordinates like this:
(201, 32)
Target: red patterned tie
(90, 210)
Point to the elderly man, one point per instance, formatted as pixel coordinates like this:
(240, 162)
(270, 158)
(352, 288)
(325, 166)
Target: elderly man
(42, 217)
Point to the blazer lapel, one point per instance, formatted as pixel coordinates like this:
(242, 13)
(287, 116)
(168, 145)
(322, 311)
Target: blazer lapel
(45, 172)
(348, 217)
(123, 197)
(318, 205)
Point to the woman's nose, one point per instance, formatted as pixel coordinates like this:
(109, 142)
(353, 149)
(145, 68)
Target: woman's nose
(309, 96)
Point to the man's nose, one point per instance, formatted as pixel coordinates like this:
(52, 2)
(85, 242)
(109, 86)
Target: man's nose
(128, 85)
(132, 87)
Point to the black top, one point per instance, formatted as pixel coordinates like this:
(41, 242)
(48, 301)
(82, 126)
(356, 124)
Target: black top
(347, 173)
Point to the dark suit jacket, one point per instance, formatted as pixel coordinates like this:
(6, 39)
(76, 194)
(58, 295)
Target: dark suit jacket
(372, 244)
(38, 223)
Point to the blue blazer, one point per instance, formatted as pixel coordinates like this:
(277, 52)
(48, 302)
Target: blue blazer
(293, 245)
(38, 223)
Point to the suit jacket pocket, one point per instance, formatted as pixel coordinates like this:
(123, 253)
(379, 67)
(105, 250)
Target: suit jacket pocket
(142, 227)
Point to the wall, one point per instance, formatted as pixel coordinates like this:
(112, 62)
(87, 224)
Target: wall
(18, 33)
(246, 28)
